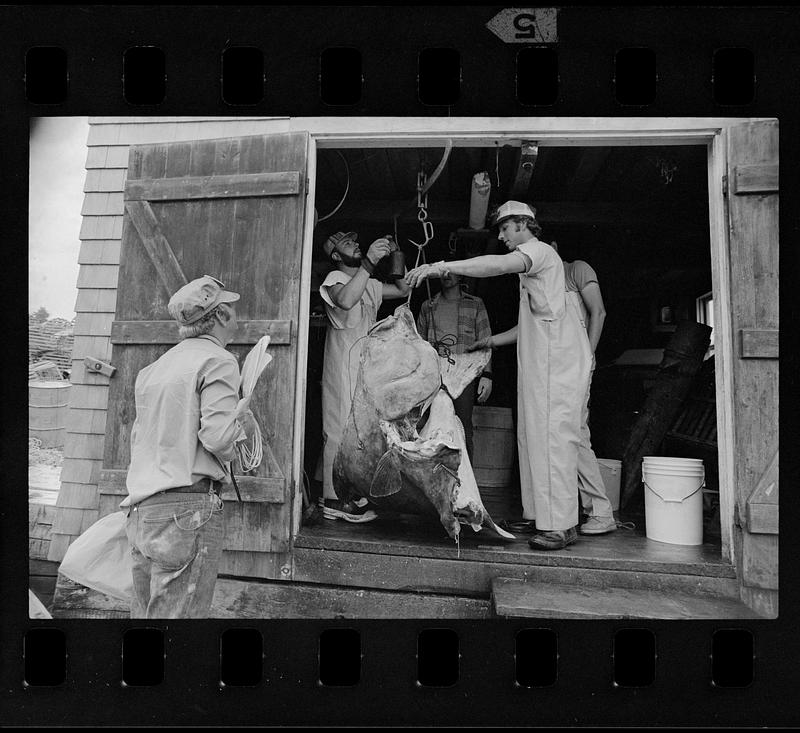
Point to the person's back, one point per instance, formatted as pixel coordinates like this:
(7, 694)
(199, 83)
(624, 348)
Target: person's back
(183, 438)
(169, 445)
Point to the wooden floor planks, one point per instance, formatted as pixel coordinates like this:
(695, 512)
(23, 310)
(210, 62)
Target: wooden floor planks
(405, 535)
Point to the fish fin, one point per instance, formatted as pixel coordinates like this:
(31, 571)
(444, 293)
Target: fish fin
(490, 523)
(387, 479)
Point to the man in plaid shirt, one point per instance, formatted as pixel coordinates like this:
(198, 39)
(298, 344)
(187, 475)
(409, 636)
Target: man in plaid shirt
(451, 321)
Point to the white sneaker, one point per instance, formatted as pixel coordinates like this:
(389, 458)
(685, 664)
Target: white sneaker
(598, 525)
(351, 511)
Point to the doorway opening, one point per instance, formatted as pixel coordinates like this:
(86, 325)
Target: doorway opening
(639, 216)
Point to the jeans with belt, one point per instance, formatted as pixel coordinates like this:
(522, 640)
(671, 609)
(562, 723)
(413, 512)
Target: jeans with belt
(176, 542)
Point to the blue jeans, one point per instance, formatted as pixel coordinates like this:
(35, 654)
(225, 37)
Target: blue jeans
(176, 543)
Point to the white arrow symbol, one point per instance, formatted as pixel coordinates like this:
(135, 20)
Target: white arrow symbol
(525, 25)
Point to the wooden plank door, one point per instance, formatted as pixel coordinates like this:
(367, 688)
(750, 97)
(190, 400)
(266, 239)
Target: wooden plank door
(753, 235)
(234, 209)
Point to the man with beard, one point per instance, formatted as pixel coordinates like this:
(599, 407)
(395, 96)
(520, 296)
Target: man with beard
(352, 298)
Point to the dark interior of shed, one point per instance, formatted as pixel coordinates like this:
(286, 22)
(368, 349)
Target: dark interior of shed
(637, 215)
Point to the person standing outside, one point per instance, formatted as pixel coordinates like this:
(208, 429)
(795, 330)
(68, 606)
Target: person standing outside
(554, 361)
(452, 321)
(583, 294)
(352, 297)
(182, 442)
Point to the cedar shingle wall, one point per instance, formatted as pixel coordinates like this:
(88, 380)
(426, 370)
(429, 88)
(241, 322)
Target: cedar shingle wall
(101, 235)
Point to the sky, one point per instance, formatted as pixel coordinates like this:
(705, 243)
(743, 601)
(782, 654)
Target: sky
(57, 173)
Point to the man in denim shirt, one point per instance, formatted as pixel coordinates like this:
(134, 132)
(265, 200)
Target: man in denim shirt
(182, 442)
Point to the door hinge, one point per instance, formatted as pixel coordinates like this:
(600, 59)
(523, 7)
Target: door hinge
(725, 185)
(97, 366)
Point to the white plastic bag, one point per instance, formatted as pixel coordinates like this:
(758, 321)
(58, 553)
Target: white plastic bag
(36, 609)
(100, 558)
(250, 452)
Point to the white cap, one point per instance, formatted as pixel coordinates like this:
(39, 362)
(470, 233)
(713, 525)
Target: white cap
(197, 298)
(513, 208)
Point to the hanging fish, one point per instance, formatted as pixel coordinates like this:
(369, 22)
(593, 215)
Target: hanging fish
(383, 457)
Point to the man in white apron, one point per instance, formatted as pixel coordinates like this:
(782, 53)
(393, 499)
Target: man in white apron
(352, 298)
(554, 361)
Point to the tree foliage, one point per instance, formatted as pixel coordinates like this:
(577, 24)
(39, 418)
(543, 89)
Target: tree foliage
(41, 315)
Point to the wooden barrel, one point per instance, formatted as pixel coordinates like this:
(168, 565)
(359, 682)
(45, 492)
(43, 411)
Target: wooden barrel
(48, 403)
(495, 444)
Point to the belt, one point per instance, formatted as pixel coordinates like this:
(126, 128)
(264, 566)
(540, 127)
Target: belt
(203, 486)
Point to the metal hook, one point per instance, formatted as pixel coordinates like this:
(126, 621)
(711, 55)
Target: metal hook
(427, 230)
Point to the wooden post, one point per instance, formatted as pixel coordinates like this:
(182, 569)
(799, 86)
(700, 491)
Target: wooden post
(682, 359)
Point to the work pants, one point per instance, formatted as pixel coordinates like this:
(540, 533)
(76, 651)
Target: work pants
(553, 365)
(176, 543)
(463, 405)
(590, 480)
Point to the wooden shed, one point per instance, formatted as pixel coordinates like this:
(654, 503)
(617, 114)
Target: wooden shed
(678, 214)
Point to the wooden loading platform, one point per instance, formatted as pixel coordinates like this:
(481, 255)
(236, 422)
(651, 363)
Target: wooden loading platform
(403, 567)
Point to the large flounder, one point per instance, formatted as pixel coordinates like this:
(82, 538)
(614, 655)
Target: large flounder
(383, 457)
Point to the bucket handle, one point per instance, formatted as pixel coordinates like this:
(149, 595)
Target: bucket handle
(673, 501)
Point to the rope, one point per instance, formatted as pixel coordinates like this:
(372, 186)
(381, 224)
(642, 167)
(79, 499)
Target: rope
(250, 457)
(350, 384)
(443, 345)
(346, 189)
(251, 452)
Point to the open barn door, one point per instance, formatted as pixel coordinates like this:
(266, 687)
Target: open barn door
(753, 231)
(231, 208)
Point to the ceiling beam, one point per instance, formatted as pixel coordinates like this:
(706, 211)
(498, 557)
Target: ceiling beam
(456, 213)
(525, 163)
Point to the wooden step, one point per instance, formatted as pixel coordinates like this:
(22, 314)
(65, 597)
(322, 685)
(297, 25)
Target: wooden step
(512, 598)
(235, 598)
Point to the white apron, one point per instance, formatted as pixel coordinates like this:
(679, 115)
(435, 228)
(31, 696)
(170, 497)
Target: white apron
(554, 362)
(343, 344)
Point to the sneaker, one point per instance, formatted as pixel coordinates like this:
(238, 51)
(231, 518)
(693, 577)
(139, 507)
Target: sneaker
(350, 511)
(556, 539)
(598, 525)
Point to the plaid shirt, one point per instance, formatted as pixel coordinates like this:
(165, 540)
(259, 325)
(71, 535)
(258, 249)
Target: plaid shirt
(473, 323)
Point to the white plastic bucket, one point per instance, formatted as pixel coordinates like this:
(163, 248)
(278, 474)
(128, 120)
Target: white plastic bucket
(673, 500)
(611, 470)
(668, 462)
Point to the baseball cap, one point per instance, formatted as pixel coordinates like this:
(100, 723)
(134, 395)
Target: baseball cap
(197, 298)
(338, 238)
(513, 208)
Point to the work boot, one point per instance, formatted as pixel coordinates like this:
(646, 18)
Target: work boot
(598, 525)
(355, 511)
(556, 539)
